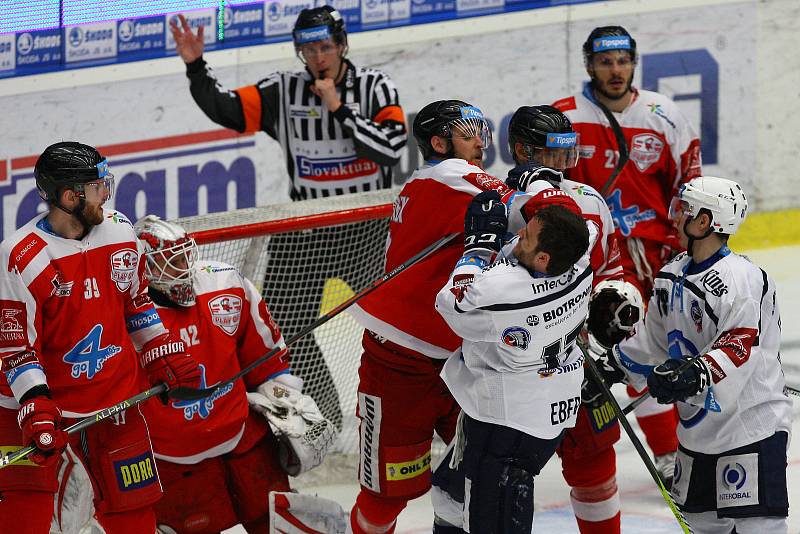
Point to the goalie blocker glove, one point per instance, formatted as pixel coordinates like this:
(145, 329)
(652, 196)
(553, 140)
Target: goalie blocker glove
(485, 224)
(668, 387)
(304, 435)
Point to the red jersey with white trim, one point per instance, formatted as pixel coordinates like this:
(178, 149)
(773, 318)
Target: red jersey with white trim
(664, 153)
(228, 328)
(430, 206)
(74, 313)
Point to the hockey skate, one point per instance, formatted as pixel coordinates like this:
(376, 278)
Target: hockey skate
(665, 464)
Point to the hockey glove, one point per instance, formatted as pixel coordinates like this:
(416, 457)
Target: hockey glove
(165, 360)
(485, 224)
(615, 307)
(668, 387)
(521, 176)
(303, 433)
(38, 418)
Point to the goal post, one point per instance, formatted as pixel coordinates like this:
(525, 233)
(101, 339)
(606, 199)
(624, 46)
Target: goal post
(306, 258)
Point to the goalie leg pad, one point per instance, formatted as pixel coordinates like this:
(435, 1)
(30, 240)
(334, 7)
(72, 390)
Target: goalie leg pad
(252, 475)
(295, 513)
(195, 498)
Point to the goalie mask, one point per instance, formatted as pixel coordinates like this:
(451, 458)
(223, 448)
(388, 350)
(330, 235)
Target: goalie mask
(170, 255)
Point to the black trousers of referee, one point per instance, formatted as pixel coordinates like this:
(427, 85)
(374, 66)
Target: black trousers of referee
(298, 266)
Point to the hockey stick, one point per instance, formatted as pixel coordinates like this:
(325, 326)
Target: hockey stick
(598, 378)
(185, 393)
(21, 454)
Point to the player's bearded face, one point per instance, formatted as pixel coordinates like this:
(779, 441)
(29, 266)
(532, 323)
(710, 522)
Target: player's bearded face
(95, 195)
(612, 73)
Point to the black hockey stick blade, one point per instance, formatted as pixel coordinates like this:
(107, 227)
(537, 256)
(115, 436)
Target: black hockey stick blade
(192, 394)
(21, 454)
(595, 375)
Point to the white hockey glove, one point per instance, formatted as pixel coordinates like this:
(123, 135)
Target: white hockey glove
(303, 433)
(614, 309)
(295, 513)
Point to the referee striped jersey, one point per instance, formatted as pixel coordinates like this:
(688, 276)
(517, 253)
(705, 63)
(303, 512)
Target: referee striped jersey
(326, 153)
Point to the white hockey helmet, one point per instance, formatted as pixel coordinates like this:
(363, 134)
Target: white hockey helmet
(723, 198)
(170, 255)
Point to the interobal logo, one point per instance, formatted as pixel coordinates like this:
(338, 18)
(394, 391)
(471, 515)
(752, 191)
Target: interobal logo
(734, 476)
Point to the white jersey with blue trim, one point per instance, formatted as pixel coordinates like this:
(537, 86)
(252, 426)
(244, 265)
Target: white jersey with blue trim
(724, 309)
(518, 365)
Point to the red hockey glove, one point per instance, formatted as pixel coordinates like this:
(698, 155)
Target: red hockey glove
(38, 419)
(165, 360)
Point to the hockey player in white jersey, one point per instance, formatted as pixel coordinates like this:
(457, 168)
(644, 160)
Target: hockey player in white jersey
(540, 135)
(518, 374)
(714, 315)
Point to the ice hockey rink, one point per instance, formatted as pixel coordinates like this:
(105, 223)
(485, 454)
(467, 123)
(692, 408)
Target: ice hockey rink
(643, 508)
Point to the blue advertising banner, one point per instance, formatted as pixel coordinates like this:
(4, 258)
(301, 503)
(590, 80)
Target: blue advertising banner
(139, 32)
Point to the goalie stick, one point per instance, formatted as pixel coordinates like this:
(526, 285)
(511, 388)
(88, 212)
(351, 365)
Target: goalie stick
(23, 453)
(185, 393)
(597, 377)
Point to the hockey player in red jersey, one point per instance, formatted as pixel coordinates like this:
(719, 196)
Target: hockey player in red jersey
(75, 314)
(218, 459)
(401, 398)
(658, 151)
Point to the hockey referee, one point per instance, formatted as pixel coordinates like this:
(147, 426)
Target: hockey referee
(341, 129)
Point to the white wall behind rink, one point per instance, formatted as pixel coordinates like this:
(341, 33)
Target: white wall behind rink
(495, 62)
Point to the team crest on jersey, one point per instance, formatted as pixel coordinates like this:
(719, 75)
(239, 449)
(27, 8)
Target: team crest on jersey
(123, 268)
(226, 312)
(517, 337)
(201, 407)
(645, 150)
(13, 320)
(697, 315)
(626, 218)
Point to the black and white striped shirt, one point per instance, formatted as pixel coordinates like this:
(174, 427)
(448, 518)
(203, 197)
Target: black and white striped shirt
(327, 154)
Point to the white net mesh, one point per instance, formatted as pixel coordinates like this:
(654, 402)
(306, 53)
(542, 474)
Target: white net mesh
(303, 274)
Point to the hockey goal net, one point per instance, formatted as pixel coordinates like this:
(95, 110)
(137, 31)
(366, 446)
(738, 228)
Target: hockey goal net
(306, 258)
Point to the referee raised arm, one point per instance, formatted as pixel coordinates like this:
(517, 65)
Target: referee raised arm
(341, 129)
